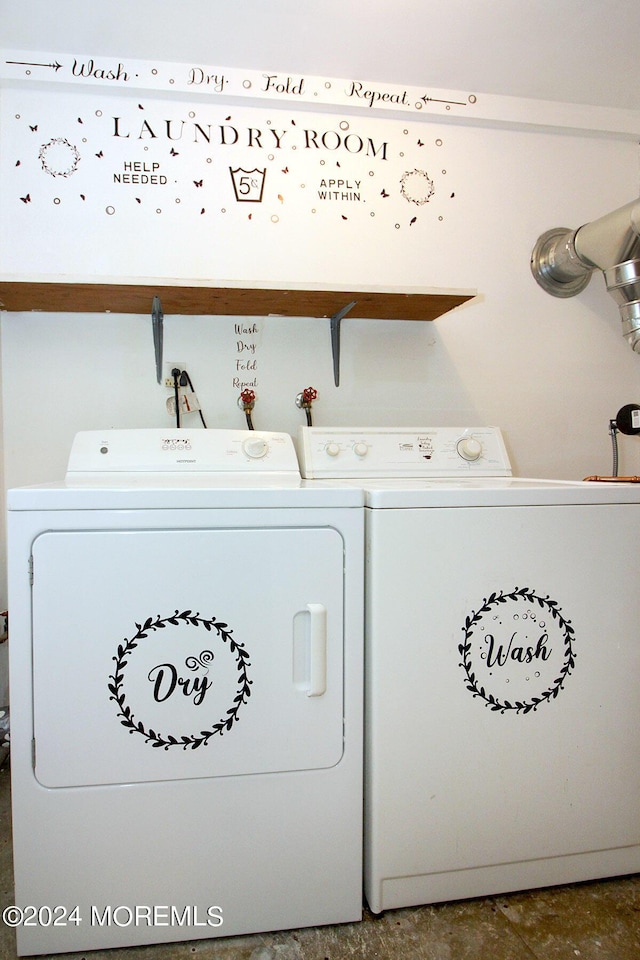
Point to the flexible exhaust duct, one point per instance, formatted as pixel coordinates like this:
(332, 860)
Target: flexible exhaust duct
(563, 260)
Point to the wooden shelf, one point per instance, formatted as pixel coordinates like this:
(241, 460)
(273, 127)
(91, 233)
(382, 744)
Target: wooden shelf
(371, 303)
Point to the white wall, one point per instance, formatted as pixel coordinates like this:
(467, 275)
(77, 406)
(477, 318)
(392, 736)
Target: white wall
(550, 372)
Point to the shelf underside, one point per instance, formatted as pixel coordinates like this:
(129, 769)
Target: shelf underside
(20, 296)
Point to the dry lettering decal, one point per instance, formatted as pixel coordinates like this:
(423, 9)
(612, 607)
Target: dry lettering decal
(165, 679)
(517, 651)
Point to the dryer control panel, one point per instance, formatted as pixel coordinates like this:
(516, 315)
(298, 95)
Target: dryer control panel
(351, 452)
(170, 451)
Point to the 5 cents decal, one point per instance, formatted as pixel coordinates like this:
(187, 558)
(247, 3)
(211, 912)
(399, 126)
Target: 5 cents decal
(517, 650)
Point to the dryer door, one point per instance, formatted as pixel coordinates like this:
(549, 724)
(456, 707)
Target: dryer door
(168, 654)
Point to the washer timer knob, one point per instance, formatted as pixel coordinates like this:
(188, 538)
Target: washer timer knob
(332, 449)
(469, 448)
(360, 448)
(255, 447)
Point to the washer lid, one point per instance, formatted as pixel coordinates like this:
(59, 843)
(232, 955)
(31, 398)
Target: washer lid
(492, 492)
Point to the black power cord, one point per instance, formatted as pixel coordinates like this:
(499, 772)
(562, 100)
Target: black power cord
(175, 373)
(182, 379)
(185, 380)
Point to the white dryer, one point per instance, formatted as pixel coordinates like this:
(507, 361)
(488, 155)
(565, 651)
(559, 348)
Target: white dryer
(186, 692)
(502, 663)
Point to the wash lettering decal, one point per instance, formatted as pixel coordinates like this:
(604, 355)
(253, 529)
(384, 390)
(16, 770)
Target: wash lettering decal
(97, 184)
(176, 688)
(517, 651)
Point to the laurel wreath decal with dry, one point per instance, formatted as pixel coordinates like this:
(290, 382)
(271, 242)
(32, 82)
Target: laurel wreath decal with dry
(520, 706)
(154, 737)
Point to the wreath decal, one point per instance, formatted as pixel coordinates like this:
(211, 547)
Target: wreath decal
(154, 737)
(59, 157)
(521, 705)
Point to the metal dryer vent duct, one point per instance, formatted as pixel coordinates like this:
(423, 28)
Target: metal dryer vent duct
(563, 260)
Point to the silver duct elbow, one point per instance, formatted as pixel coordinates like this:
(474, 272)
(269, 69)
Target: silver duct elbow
(623, 283)
(563, 260)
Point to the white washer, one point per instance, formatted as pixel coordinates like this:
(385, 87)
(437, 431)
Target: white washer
(186, 692)
(502, 667)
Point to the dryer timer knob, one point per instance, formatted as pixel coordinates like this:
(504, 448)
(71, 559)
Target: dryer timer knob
(469, 448)
(255, 447)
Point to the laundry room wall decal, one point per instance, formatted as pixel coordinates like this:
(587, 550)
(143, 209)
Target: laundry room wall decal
(215, 189)
(517, 651)
(152, 677)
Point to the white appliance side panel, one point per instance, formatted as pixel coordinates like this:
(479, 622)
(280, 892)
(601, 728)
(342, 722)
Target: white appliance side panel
(169, 654)
(502, 691)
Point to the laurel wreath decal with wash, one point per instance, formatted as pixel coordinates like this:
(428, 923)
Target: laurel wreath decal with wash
(464, 649)
(154, 737)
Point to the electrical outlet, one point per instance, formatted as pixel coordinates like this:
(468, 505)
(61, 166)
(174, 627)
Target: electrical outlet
(167, 368)
(189, 403)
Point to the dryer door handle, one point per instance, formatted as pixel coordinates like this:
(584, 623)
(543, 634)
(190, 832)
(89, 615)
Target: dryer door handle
(317, 649)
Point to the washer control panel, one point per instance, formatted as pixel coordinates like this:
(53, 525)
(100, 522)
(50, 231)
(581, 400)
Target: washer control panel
(349, 452)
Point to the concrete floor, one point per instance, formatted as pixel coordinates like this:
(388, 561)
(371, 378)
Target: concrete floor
(593, 921)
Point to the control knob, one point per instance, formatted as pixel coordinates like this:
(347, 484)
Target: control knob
(469, 448)
(255, 447)
(332, 449)
(360, 448)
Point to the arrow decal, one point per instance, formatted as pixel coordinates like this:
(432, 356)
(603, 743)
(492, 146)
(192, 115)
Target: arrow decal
(458, 103)
(19, 63)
